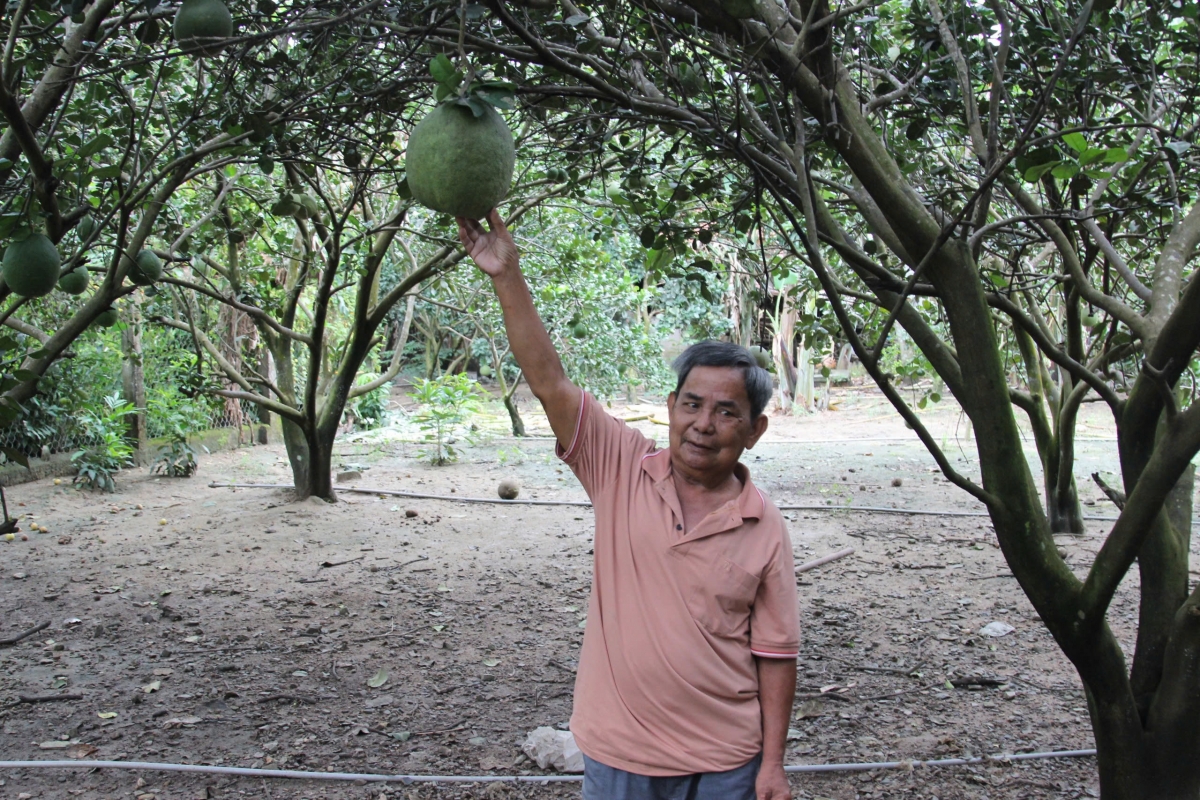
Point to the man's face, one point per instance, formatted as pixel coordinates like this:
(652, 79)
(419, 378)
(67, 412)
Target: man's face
(711, 423)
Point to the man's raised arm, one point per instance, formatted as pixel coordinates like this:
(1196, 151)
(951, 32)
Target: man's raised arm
(495, 253)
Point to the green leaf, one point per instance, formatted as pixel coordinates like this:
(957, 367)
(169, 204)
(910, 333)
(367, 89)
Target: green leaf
(1034, 174)
(1065, 170)
(1115, 155)
(575, 20)
(444, 73)
(105, 172)
(16, 456)
(378, 679)
(1076, 141)
(1091, 155)
(95, 145)
(477, 106)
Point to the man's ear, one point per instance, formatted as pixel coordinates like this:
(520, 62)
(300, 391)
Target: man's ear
(671, 398)
(760, 427)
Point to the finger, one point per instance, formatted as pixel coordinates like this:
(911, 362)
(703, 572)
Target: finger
(494, 221)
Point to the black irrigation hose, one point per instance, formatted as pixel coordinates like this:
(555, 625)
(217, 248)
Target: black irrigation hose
(409, 779)
(586, 504)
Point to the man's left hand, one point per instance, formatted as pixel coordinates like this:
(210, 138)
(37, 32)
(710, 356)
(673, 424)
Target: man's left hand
(772, 783)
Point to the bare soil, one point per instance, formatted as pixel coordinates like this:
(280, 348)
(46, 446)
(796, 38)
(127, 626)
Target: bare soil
(236, 627)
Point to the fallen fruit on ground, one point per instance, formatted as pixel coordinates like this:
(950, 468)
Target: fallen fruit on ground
(202, 26)
(458, 163)
(31, 266)
(75, 281)
(508, 489)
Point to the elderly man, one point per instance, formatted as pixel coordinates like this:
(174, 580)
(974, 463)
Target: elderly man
(688, 673)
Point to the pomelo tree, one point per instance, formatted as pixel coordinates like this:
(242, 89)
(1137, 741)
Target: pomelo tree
(1014, 188)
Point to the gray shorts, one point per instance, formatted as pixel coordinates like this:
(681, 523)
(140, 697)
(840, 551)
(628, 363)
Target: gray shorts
(602, 782)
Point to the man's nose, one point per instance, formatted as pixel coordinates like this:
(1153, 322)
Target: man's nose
(706, 421)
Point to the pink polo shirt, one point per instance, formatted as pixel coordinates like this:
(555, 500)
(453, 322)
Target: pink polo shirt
(667, 683)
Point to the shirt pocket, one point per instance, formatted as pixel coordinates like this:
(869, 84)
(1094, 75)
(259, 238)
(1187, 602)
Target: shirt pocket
(721, 597)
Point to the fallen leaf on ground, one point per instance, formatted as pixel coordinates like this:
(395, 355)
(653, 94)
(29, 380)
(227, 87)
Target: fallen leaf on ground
(152, 686)
(81, 750)
(378, 679)
(175, 722)
(491, 662)
(106, 714)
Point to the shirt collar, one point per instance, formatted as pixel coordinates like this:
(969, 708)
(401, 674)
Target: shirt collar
(750, 503)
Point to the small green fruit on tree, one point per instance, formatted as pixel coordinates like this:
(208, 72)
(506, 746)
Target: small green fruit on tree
(202, 26)
(762, 356)
(86, 227)
(460, 163)
(75, 281)
(146, 268)
(107, 318)
(31, 266)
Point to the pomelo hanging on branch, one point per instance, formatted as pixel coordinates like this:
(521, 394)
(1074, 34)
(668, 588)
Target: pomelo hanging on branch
(75, 281)
(146, 268)
(460, 157)
(202, 26)
(31, 266)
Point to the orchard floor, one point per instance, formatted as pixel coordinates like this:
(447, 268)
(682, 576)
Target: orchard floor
(198, 624)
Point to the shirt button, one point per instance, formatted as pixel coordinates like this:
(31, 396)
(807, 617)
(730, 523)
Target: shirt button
(678, 527)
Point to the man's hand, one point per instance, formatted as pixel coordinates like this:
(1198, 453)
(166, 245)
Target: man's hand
(772, 783)
(492, 251)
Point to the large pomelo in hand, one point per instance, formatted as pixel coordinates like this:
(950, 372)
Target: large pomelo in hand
(31, 266)
(202, 26)
(458, 163)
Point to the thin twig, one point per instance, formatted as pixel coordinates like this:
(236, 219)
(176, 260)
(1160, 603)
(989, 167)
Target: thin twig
(46, 698)
(14, 639)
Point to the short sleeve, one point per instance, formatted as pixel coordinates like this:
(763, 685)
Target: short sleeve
(600, 446)
(775, 616)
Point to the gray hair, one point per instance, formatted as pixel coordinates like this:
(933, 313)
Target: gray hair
(726, 354)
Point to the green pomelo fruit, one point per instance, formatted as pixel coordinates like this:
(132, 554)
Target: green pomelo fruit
(508, 489)
(762, 357)
(146, 269)
(108, 317)
(87, 226)
(309, 205)
(202, 26)
(458, 163)
(285, 206)
(579, 330)
(266, 164)
(486, 371)
(75, 281)
(31, 266)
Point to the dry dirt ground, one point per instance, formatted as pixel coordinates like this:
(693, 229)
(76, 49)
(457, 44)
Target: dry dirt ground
(201, 625)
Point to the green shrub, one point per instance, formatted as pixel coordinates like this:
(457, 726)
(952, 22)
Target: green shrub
(177, 459)
(105, 427)
(446, 404)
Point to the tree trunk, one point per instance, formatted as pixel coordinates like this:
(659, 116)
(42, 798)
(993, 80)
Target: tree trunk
(311, 461)
(1063, 509)
(518, 425)
(133, 382)
(1139, 764)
